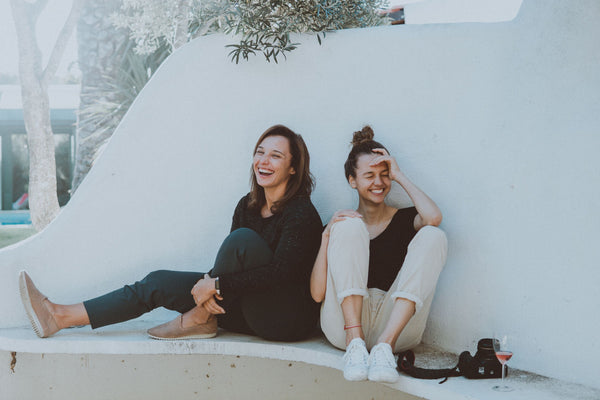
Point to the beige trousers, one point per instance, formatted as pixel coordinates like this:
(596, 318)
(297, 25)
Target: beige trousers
(347, 274)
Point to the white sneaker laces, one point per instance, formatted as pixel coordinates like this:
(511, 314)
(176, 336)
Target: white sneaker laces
(356, 354)
(382, 357)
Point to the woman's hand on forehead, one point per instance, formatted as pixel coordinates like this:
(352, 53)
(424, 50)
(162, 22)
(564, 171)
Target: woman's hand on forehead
(385, 157)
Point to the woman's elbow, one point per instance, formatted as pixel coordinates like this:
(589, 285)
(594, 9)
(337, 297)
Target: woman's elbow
(317, 295)
(317, 290)
(434, 219)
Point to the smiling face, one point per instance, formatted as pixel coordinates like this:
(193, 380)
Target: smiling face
(373, 183)
(272, 163)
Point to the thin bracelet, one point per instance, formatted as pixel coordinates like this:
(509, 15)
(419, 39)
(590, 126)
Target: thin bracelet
(352, 326)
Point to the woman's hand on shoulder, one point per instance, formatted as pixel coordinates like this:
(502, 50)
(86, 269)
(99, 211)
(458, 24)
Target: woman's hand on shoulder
(340, 216)
(385, 157)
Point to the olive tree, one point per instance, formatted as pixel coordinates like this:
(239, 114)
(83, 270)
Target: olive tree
(259, 26)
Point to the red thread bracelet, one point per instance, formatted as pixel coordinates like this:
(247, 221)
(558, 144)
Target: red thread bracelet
(352, 326)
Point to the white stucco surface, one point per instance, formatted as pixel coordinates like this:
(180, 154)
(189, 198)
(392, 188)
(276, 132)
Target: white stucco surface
(496, 122)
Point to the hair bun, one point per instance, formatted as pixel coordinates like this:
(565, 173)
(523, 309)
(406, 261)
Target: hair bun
(364, 135)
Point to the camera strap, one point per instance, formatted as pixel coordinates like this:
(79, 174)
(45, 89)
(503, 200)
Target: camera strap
(406, 364)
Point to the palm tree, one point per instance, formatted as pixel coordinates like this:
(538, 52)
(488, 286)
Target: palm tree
(100, 47)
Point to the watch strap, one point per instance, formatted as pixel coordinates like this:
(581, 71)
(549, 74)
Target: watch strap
(217, 286)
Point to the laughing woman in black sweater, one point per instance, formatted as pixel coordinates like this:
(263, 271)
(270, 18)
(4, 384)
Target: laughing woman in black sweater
(259, 284)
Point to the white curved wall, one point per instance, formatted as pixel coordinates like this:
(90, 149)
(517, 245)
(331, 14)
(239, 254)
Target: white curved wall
(452, 11)
(497, 122)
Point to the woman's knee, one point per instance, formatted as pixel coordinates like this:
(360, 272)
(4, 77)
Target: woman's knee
(349, 229)
(242, 249)
(348, 257)
(433, 231)
(433, 235)
(244, 238)
(429, 250)
(240, 237)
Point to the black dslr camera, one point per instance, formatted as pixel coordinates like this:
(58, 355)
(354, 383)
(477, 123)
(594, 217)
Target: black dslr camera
(484, 365)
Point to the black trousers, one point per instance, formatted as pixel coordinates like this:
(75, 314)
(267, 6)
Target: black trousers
(284, 313)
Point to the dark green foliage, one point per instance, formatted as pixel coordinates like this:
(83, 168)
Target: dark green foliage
(265, 26)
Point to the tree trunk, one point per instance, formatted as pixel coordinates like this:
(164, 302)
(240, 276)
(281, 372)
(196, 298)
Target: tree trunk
(43, 199)
(182, 32)
(100, 47)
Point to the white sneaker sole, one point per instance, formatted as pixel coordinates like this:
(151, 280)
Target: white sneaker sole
(356, 377)
(383, 375)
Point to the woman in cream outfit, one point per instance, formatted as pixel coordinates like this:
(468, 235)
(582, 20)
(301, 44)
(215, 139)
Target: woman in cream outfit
(378, 266)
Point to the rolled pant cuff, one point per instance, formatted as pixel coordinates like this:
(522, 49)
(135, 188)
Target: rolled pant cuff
(408, 296)
(352, 292)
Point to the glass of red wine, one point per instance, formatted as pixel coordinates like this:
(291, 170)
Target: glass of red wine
(503, 354)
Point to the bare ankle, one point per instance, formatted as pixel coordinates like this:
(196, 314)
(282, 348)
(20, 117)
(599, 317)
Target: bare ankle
(196, 316)
(353, 333)
(67, 316)
(387, 339)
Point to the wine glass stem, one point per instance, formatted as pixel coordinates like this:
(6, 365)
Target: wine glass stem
(502, 373)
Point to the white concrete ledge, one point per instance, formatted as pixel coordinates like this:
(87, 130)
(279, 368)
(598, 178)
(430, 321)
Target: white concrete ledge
(130, 339)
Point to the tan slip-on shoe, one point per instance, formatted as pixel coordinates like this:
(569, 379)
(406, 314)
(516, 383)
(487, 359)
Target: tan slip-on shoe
(174, 330)
(42, 321)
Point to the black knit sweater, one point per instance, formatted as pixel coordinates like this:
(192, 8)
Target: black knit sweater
(294, 236)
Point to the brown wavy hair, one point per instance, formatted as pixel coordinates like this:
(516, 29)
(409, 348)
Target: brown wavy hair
(300, 183)
(362, 143)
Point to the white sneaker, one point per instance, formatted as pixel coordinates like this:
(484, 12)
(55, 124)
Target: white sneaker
(356, 361)
(382, 364)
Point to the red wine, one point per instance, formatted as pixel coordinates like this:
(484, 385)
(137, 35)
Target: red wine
(503, 356)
